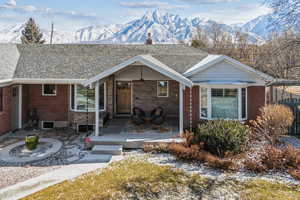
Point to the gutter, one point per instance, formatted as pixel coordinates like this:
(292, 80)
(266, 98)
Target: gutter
(7, 82)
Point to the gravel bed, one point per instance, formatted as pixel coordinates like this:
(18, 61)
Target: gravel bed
(13, 175)
(199, 168)
(19, 172)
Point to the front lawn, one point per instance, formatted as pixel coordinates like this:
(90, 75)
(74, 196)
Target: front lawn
(130, 178)
(140, 179)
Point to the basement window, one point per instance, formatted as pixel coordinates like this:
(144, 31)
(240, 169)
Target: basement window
(49, 90)
(85, 128)
(47, 125)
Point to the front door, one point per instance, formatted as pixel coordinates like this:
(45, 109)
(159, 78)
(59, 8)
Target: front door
(15, 108)
(123, 97)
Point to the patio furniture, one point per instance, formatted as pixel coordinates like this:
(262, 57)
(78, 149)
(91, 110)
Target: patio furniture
(158, 116)
(138, 116)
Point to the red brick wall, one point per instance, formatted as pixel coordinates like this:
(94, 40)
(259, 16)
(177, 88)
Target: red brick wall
(256, 99)
(186, 108)
(49, 108)
(196, 105)
(24, 103)
(5, 115)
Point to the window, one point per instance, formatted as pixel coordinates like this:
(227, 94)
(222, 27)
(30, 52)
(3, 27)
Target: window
(1, 99)
(224, 103)
(162, 88)
(83, 99)
(49, 90)
(204, 103)
(47, 125)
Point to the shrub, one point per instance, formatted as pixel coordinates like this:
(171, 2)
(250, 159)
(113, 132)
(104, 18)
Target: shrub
(254, 165)
(156, 148)
(272, 158)
(273, 121)
(194, 153)
(222, 136)
(31, 141)
(295, 173)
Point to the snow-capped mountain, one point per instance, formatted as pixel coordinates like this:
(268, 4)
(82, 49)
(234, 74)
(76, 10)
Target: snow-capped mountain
(12, 34)
(164, 27)
(263, 26)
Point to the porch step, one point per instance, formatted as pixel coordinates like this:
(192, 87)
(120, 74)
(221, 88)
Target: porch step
(107, 149)
(96, 158)
(117, 140)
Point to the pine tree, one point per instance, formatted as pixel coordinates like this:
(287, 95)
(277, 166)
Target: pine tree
(31, 33)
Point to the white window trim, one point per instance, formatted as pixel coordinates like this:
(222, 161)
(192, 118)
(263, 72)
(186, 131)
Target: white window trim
(75, 102)
(49, 95)
(48, 122)
(210, 106)
(157, 88)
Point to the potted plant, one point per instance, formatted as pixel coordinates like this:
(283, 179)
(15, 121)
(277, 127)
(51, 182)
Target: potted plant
(31, 141)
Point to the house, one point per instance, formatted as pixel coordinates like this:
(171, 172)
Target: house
(75, 84)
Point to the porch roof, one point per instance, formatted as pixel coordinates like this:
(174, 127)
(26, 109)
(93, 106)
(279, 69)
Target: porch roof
(148, 61)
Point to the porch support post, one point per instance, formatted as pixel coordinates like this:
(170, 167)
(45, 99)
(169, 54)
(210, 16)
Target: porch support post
(181, 109)
(97, 108)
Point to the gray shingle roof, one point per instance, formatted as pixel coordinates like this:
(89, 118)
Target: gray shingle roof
(72, 61)
(9, 56)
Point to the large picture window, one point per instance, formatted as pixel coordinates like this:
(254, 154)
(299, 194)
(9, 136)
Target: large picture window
(223, 103)
(83, 98)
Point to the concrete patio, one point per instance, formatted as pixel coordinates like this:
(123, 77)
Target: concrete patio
(121, 131)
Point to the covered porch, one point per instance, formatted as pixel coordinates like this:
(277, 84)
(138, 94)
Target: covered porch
(145, 83)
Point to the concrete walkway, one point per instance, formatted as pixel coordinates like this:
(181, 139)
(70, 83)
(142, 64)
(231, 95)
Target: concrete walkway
(68, 172)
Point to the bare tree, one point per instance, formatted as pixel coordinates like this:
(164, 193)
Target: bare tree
(288, 11)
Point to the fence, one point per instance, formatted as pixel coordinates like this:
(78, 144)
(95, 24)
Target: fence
(294, 104)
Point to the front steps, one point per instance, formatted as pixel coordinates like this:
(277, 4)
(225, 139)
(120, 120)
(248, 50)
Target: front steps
(107, 149)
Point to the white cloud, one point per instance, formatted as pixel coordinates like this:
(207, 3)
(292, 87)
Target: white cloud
(209, 1)
(151, 4)
(11, 2)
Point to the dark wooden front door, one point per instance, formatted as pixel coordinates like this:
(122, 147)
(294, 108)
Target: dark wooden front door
(123, 97)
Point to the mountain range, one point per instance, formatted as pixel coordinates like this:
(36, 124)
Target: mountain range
(164, 27)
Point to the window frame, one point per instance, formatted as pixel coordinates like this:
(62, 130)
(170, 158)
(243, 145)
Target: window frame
(157, 91)
(75, 101)
(49, 95)
(209, 102)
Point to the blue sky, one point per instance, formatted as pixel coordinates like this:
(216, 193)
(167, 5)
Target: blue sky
(73, 14)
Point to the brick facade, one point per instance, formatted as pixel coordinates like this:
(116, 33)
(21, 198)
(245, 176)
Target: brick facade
(256, 100)
(5, 115)
(49, 108)
(145, 97)
(57, 108)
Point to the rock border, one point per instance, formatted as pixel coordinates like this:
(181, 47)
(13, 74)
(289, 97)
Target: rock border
(6, 157)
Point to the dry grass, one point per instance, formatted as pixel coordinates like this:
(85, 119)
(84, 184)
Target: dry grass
(264, 190)
(120, 180)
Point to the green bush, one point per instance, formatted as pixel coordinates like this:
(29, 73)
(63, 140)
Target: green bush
(31, 141)
(221, 137)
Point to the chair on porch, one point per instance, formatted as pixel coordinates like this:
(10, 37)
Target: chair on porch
(158, 116)
(138, 116)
